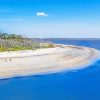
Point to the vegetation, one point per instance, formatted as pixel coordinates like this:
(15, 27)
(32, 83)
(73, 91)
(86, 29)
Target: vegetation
(13, 42)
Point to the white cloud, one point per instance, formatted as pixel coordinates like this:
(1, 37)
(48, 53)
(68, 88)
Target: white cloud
(41, 14)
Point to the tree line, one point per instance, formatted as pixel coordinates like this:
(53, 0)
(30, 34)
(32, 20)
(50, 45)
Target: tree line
(13, 42)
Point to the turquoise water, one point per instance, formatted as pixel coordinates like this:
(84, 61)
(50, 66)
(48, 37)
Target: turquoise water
(81, 84)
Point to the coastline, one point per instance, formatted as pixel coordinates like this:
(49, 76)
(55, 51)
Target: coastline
(49, 60)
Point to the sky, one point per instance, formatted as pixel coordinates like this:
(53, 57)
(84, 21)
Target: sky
(51, 18)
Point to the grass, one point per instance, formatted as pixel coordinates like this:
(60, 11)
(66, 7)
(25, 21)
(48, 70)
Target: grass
(15, 49)
(34, 47)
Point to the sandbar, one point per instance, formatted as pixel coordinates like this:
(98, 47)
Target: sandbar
(48, 60)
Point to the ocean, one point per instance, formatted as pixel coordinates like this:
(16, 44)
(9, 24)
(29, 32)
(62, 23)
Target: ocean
(83, 84)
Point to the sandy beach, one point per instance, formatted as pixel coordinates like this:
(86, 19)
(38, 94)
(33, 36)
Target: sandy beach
(59, 58)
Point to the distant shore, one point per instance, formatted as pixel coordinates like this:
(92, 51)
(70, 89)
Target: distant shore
(59, 58)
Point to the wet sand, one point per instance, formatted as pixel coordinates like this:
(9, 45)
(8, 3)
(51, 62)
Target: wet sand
(41, 61)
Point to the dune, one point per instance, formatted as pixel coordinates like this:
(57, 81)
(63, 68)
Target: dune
(49, 60)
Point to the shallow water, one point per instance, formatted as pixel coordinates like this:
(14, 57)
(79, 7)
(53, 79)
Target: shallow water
(81, 84)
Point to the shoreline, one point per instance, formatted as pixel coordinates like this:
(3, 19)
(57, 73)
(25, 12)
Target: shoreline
(49, 60)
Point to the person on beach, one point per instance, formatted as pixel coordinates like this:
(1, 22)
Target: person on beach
(10, 59)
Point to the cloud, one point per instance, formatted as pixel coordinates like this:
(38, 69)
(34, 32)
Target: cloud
(41, 14)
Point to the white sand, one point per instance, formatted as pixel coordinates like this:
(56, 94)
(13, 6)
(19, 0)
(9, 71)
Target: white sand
(30, 62)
